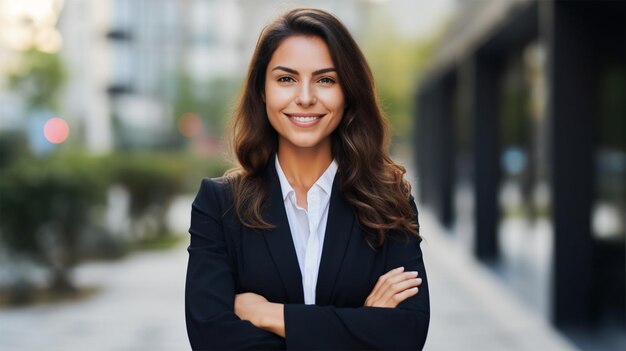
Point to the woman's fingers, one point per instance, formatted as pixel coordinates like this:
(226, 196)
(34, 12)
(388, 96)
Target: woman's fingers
(401, 286)
(393, 287)
(401, 296)
(390, 282)
(382, 280)
(400, 278)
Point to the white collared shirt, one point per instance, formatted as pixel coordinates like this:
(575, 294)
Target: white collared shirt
(304, 222)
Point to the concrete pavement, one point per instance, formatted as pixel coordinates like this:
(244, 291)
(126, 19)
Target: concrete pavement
(471, 309)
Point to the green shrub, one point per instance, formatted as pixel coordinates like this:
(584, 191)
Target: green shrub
(35, 192)
(47, 204)
(44, 203)
(63, 188)
(153, 180)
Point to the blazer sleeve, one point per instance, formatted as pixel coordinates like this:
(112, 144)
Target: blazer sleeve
(210, 290)
(403, 327)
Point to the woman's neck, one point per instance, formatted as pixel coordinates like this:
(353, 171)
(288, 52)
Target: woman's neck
(304, 166)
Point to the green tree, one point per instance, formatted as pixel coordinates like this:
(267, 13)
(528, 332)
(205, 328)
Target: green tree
(397, 64)
(39, 79)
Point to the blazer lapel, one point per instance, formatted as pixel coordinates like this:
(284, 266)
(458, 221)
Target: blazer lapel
(338, 233)
(279, 241)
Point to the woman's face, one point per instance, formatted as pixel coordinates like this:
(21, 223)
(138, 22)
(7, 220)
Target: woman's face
(303, 96)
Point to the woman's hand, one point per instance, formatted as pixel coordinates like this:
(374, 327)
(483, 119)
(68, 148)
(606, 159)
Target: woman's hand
(393, 287)
(260, 312)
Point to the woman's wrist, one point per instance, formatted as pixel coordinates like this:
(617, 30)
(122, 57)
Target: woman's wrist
(273, 319)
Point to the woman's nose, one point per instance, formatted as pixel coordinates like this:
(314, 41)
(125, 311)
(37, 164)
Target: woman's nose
(306, 96)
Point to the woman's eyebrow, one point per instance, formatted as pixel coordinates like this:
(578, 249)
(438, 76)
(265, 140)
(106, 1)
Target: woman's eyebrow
(293, 71)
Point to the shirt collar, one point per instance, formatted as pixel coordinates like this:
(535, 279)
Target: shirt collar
(325, 181)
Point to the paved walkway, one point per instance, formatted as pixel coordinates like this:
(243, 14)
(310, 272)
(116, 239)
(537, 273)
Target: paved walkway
(140, 307)
(470, 308)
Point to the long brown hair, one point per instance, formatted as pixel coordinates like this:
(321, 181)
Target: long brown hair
(369, 180)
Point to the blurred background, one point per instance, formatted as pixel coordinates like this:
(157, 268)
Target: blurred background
(508, 114)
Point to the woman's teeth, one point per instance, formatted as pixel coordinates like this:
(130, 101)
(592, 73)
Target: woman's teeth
(304, 119)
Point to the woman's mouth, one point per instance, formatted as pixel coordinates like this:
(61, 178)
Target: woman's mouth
(305, 120)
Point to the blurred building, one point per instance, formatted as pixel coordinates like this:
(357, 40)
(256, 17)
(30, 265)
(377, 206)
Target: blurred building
(521, 152)
(87, 57)
(122, 56)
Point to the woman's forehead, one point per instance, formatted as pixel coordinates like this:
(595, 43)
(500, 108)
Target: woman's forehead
(305, 54)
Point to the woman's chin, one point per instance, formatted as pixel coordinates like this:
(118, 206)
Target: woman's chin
(306, 143)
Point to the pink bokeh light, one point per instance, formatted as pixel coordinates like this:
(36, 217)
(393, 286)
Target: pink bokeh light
(56, 130)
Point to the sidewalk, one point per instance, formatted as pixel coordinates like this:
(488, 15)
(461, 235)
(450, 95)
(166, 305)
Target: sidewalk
(470, 308)
(140, 307)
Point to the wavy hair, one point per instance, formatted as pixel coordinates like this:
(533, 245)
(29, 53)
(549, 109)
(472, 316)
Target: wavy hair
(369, 179)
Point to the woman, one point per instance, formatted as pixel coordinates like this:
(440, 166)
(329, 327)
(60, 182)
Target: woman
(312, 243)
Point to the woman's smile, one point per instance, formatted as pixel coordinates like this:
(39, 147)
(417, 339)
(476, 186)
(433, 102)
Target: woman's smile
(304, 120)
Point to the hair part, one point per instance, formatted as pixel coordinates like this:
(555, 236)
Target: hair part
(369, 179)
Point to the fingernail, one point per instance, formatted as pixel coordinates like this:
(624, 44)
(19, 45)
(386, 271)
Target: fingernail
(400, 269)
(414, 273)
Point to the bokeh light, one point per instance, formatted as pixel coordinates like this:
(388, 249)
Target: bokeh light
(189, 124)
(31, 23)
(56, 130)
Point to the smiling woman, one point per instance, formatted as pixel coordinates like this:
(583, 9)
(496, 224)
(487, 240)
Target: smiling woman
(312, 242)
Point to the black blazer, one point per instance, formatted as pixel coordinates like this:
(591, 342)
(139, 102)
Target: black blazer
(226, 258)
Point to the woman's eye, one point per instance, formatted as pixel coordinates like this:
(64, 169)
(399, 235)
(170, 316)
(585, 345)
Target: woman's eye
(286, 80)
(327, 80)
